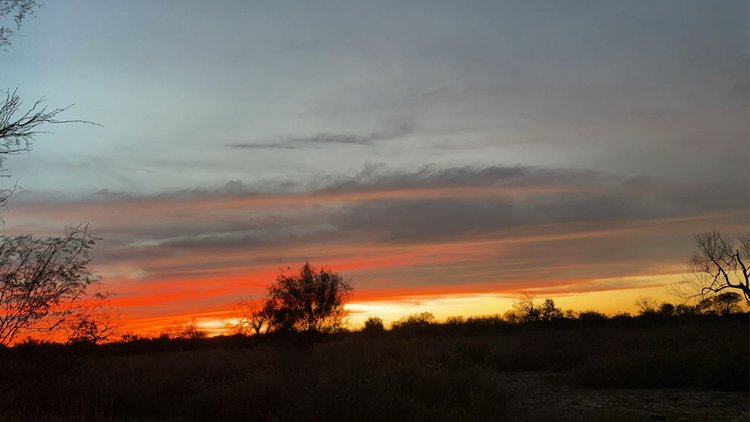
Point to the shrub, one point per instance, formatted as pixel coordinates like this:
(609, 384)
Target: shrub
(373, 325)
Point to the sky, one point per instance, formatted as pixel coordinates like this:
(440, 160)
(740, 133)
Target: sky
(444, 156)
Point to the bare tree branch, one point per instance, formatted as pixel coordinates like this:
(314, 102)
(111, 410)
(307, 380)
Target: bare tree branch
(719, 265)
(18, 128)
(42, 280)
(13, 12)
(252, 318)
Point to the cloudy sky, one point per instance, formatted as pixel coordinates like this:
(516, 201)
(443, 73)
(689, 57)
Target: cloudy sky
(445, 156)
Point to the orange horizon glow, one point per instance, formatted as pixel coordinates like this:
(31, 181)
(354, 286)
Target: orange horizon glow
(444, 159)
(602, 266)
(442, 305)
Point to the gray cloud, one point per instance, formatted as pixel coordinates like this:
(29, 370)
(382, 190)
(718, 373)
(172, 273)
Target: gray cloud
(264, 146)
(375, 176)
(327, 138)
(333, 138)
(198, 225)
(606, 199)
(191, 232)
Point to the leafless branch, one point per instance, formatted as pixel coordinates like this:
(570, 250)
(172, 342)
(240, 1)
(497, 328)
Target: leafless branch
(18, 127)
(720, 264)
(251, 318)
(14, 11)
(42, 280)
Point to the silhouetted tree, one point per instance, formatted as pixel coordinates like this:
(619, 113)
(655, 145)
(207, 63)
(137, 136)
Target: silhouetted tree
(646, 306)
(592, 316)
(455, 320)
(721, 263)
(185, 331)
(420, 320)
(42, 281)
(93, 324)
(252, 318)
(311, 301)
(727, 303)
(666, 310)
(373, 325)
(510, 316)
(570, 314)
(549, 312)
(684, 309)
(526, 309)
(722, 304)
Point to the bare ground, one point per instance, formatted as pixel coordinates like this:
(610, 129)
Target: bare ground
(544, 396)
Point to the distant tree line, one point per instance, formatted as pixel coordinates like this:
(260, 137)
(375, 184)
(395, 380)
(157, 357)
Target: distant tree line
(527, 312)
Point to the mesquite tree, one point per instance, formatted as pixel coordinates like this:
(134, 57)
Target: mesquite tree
(311, 301)
(721, 264)
(43, 281)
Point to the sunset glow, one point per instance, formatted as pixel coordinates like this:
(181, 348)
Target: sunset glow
(444, 162)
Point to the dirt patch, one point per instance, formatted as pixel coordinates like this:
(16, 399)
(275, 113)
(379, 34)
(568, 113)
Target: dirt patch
(546, 396)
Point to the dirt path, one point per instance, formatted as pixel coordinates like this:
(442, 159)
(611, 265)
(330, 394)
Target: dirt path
(548, 397)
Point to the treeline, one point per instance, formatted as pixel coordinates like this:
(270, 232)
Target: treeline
(307, 306)
(527, 316)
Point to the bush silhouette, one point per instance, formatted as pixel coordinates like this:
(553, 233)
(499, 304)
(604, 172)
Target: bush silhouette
(373, 325)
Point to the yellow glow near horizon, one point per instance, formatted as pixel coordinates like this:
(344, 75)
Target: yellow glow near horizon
(609, 302)
(442, 306)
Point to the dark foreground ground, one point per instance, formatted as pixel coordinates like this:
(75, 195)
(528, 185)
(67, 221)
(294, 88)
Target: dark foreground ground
(696, 371)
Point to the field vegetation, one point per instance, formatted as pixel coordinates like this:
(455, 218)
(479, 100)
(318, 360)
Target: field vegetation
(420, 369)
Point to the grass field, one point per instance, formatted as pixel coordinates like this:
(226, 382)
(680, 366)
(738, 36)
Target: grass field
(435, 373)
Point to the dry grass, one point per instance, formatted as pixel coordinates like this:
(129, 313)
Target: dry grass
(436, 374)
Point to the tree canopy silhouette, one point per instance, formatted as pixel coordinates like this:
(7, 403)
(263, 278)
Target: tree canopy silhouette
(43, 281)
(311, 301)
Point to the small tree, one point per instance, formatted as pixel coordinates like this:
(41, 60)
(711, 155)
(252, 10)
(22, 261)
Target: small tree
(415, 321)
(252, 318)
(311, 301)
(647, 306)
(42, 281)
(592, 317)
(93, 322)
(666, 310)
(686, 310)
(183, 331)
(549, 312)
(722, 304)
(92, 329)
(373, 325)
(721, 263)
(525, 309)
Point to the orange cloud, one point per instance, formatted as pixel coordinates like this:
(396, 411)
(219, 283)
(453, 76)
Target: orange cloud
(174, 257)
